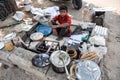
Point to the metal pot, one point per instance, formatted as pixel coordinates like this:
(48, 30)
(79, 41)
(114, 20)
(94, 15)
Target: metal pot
(59, 69)
(57, 63)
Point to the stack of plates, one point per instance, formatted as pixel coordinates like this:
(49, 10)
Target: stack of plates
(36, 36)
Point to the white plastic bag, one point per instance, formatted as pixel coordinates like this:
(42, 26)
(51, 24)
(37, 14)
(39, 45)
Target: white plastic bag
(18, 15)
(83, 48)
(97, 40)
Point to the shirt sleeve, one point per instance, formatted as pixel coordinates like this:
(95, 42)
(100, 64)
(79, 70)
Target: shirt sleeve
(55, 18)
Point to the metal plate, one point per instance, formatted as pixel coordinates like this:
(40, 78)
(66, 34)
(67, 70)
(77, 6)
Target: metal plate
(36, 36)
(9, 36)
(87, 70)
(41, 60)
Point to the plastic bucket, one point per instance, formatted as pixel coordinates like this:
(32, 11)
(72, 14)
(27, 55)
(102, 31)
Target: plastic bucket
(27, 6)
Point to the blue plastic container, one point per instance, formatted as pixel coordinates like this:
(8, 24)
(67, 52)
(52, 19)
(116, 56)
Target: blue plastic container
(46, 30)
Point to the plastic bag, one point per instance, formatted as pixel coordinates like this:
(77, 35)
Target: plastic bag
(99, 50)
(83, 48)
(97, 40)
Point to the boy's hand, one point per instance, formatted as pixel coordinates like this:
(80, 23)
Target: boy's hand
(54, 26)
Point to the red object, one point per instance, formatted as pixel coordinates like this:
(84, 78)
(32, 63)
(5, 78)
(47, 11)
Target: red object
(65, 19)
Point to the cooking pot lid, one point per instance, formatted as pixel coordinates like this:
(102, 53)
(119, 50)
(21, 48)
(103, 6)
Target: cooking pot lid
(36, 36)
(41, 60)
(56, 61)
(87, 70)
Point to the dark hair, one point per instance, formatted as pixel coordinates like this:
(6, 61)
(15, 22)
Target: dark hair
(63, 7)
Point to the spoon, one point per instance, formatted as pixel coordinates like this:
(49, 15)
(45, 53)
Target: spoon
(62, 57)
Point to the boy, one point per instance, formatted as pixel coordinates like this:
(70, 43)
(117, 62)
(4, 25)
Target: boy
(61, 23)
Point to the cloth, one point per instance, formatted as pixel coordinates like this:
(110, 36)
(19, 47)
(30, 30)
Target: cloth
(65, 19)
(53, 11)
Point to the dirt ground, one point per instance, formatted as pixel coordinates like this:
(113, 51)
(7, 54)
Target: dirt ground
(110, 67)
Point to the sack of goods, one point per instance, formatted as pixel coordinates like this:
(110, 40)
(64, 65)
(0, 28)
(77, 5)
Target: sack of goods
(9, 46)
(97, 40)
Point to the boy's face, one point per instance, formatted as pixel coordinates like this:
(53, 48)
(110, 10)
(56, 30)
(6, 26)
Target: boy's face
(63, 13)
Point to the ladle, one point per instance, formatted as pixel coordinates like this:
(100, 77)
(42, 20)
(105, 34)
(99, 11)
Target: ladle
(62, 57)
